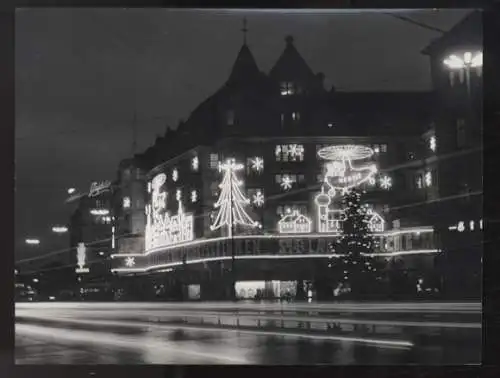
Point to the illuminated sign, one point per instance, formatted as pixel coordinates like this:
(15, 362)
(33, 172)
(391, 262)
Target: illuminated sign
(81, 256)
(467, 226)
(97, 188)
(162, 229)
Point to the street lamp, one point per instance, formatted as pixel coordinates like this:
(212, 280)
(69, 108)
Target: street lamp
(463, 64)
(60, 229)
(32, 241)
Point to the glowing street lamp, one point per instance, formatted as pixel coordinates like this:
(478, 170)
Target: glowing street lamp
(32, 241)
(463, 64)
(59, 229)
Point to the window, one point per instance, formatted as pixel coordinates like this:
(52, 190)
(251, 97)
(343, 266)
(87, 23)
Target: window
(282, 119)
(230, 117)
(296, 116)
(383, 148)
(289, 152)
(214, 161)
(287, 88)
(419, 181)
(287, 209)
(428, 178)
(460, 133)
(330, 125)
(432, 143)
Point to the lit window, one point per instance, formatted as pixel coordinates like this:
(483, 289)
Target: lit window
(230, 117)
(195, 163)
(126, 202)
(428, 178)
(383, 148)
(330, 125)
(214, 161)
(376, 148)
(287, 88)
(289, 152)
(460, 132)
(419, 181)
(296, 116)
(432, 143)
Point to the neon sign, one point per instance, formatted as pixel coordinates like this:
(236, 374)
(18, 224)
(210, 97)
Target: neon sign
(97, 188)
(162, 229)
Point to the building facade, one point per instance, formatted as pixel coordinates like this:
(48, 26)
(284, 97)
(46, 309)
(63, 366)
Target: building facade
(248, 188)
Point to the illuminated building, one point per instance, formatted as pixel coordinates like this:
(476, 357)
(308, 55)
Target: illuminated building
(296, 146)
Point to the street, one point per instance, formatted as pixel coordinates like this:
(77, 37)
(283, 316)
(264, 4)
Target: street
(272, 334)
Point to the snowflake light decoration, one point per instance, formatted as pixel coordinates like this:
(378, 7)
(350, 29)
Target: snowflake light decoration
(296, 150)
(386, 182)
(194, 196)
(257, 164)
(286, 183)
(258, 199)
(175, 174)
(130, 262)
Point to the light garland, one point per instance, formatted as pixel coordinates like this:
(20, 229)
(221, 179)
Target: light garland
(231, 201)
(258, 199)
(294, 223)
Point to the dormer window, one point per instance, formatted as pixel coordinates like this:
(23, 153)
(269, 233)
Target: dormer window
(287, 88)
(230, 117)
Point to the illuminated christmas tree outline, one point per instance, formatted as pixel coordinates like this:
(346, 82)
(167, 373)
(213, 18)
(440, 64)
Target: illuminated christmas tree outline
(231, 200)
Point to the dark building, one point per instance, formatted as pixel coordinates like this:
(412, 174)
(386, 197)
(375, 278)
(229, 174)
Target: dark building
(286, 129)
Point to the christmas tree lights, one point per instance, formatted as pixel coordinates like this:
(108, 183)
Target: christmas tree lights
(231, 203)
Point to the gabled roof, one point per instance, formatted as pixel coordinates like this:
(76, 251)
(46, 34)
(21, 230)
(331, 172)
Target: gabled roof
(468, 31)
(245, 68)
(291, 64)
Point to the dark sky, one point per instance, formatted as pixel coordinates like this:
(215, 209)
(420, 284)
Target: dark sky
(81, 73)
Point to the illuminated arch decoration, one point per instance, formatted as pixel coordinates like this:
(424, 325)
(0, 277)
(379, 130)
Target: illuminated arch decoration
(294, 223)
(341, 175)
(231, 203)
(163, 230)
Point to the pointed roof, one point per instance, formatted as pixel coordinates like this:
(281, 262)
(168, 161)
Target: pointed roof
(245, 68)
(291, 64)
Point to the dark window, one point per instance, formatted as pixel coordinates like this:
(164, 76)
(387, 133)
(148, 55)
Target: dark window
(461, 133)
(230, 117)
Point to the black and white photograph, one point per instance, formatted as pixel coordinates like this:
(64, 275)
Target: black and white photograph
(248, 186)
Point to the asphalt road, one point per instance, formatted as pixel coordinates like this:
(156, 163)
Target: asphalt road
(115, 333)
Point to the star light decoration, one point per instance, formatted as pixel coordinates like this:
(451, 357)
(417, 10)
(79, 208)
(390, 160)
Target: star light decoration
(257, 164)
(286, 183)
(130, 262)
(258, 199)
(386, 182)
(175, 174)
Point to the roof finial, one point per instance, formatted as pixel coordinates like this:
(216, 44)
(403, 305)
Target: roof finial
(244, 30)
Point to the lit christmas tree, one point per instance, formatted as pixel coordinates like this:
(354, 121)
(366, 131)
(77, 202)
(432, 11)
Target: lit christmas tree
(355, 270)
(232, 202)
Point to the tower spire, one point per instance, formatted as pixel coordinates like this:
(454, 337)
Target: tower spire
(244, 30)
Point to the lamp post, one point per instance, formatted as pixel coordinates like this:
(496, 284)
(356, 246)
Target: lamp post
(463, 64)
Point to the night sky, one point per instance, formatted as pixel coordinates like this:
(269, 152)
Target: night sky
(81, 73)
